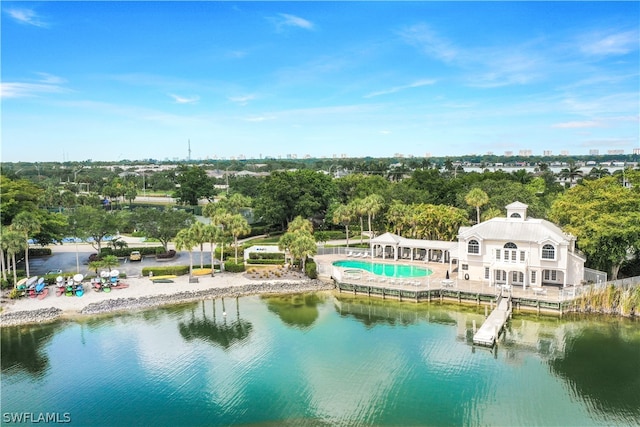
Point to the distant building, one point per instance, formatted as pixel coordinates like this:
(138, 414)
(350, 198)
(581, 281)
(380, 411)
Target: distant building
(595, 152)
(547, 153)
(615, 152)
(520, 251)
(564, 152)
(525, 153)
(636, 151)
(508, 153)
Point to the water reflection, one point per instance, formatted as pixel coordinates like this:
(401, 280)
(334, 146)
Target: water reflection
(23, 347)
(298, 310)
(602, 366)
(207, 327)
(372, 312)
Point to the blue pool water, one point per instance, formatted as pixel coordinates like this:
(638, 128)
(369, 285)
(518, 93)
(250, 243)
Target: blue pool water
(400, 271)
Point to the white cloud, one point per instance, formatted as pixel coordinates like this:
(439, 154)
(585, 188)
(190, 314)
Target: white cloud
(618, 43)
(577, 124)
(182, 100)
(286, 20)
(295, 21)
(48, 83)
(259, 118)
(426, 39)
(27, 17)
(241, 100)
(419, 83)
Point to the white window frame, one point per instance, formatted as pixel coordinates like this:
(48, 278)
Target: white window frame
(543, 251)
(476, 245)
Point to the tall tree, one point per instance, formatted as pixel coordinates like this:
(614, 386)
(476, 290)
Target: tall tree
(371, 205)
(14, 244)
(193, 184)
(477, 198)
(299, 241)
(212, 235)
(185, 240)
(605, 218)
(95, 223)
(238, 226)
(285, 195)
(162, 224)
(343, 214)
(199, 233)
(27, 223)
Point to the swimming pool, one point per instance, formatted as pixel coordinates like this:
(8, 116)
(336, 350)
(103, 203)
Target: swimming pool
(401, 271)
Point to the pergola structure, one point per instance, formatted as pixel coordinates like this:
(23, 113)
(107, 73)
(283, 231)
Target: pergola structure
(392, 246)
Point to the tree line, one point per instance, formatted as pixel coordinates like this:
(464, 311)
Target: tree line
(428, 203)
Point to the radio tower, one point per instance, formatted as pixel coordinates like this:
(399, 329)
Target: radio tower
(189, 144)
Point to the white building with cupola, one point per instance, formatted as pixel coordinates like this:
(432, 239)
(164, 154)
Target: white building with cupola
(519, 251)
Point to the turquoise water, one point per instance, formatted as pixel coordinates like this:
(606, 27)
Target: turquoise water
(399, 271)
(322, 359)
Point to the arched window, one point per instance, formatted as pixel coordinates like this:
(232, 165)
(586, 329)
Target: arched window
(515, 215)
(548, 252)
(510, 252)
(473, 247)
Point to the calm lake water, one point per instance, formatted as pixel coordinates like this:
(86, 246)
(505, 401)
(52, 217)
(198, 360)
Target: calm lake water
(321, 359)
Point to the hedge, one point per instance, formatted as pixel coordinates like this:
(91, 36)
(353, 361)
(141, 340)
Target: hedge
(266, 261)
(39, 251)
(232, 267)
(177, 270)
(267, 255)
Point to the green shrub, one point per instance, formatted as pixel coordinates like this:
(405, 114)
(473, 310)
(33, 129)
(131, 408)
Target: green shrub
(266, 261)
(177, 270)
(267, 255)
(34, 252)
(311, 270)
(232, 267)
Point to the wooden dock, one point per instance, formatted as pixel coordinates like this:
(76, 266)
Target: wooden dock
(492, 326)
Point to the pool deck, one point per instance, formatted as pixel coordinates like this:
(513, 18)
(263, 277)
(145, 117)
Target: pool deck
(436, 285)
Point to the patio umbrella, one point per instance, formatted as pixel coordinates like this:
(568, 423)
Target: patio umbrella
(447, 277)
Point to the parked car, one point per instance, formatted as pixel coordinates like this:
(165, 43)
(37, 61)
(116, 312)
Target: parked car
(54, 271)
(135, 256)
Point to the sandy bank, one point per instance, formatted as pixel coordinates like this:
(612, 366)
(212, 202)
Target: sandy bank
(143, 293)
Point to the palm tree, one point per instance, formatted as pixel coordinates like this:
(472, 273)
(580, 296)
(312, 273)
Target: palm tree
(571, 173)
(302, 246)
(27, 223)
(372, 205)
(184, 240)
(109, 261)
(220, 218)
(238, 226)
(599, 172)
(343, 215)
(397, 216)
(300, 224)
(212, 234)
(198, 232)
(359, 209)
(14, 243)
(477, 198)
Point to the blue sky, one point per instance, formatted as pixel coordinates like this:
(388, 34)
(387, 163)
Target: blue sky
(137, 80)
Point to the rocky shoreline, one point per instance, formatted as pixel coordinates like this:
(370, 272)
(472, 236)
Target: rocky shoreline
(45, 315)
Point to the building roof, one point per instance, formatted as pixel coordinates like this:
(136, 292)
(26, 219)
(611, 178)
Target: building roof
(395, 240)
(508, 229)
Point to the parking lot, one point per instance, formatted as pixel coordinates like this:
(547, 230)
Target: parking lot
(71, 258)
